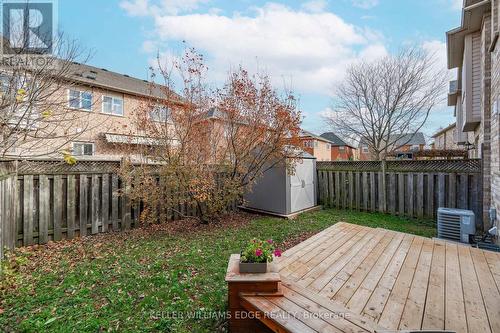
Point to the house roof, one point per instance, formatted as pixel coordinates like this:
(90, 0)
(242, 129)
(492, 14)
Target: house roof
(335, 139)
(408, 139)
(442, 130)
(103, 78)
(304, 133)
(472, 16)
(403, 139)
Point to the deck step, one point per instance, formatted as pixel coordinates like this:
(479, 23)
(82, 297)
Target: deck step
(299, 310)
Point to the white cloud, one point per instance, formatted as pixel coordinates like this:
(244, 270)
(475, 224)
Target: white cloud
(135, 7)
(315, 6)
(168, 7)
(174, 7)
(365, 4)
(313, 49)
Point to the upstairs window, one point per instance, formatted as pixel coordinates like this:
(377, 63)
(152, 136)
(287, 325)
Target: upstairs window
(342, 148)
(83, 149)
(365, 149)
(328, 146)
(112, 105)
(160, 114)
(80, 100)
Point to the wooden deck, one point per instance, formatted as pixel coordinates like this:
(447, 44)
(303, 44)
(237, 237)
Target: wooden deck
(383, 280)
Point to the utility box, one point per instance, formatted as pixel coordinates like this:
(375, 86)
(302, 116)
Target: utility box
(456, 224)
(280, 193)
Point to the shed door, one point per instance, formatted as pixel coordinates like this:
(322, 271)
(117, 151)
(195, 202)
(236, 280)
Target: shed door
(302, 186)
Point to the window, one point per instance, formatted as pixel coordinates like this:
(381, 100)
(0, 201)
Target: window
(341, 148)
(365, 149)
(315, 144)
(83, 149)
(112, 105)
(328, 146)
(160, 114)
(80, 100)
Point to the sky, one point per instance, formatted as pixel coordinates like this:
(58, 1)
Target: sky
(305, 45)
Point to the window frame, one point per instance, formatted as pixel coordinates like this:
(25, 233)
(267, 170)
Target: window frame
(83, 151)
(80, 99)
(113, 98)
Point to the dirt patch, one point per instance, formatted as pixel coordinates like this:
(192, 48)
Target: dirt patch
(291, 242)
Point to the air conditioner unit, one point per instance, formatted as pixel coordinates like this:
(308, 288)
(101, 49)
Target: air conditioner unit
(456, 224)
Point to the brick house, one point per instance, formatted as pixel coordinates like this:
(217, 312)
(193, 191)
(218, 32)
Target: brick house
(340, 150)
(316, 145)
(108, 103)
(472, 49)
(403, 143)
(446, 138)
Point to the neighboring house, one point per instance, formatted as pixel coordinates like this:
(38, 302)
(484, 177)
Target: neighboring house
(474, 50)
(340, 150)
(446, 138)
(316, 145)
(112, 100)
(404, 144)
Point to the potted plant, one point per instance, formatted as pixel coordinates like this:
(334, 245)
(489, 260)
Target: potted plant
(256, 255)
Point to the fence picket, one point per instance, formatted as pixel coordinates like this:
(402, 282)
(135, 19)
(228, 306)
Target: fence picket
(420, 195)
(28, 196)
(105, 202)
(83, 205)
(430, 195)
(58, 207)
(114, 202)
(44, 203)
(71, 206)
(401, 194)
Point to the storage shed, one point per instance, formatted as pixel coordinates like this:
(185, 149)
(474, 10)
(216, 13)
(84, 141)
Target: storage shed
(280, 193)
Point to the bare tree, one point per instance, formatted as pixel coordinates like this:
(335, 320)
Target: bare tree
(210, 144)
(34, 115)
(382, 99)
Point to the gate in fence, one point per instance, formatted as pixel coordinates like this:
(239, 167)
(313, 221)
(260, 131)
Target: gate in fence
(405, 188)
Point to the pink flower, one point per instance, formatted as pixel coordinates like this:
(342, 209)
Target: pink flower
(258, 252)
(270, 241)
(277, 253)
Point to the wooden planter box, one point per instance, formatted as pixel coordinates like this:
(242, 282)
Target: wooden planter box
(253, 267)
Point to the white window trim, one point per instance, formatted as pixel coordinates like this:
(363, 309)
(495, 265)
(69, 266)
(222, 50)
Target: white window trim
(112, 100)
(82, 143)
(80, 100)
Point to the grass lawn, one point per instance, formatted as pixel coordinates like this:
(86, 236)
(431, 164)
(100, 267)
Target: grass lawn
(146, 279)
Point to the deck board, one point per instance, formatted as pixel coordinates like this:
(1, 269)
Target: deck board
(386, 280)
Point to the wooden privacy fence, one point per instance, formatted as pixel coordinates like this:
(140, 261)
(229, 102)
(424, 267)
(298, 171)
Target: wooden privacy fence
(406, 188)
(50, 201)
(7, 200)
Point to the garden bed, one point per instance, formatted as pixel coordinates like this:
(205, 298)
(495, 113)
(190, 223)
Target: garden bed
(152, 279)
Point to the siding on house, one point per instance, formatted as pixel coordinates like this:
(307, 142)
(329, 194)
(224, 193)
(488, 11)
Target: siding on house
(480, 92)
